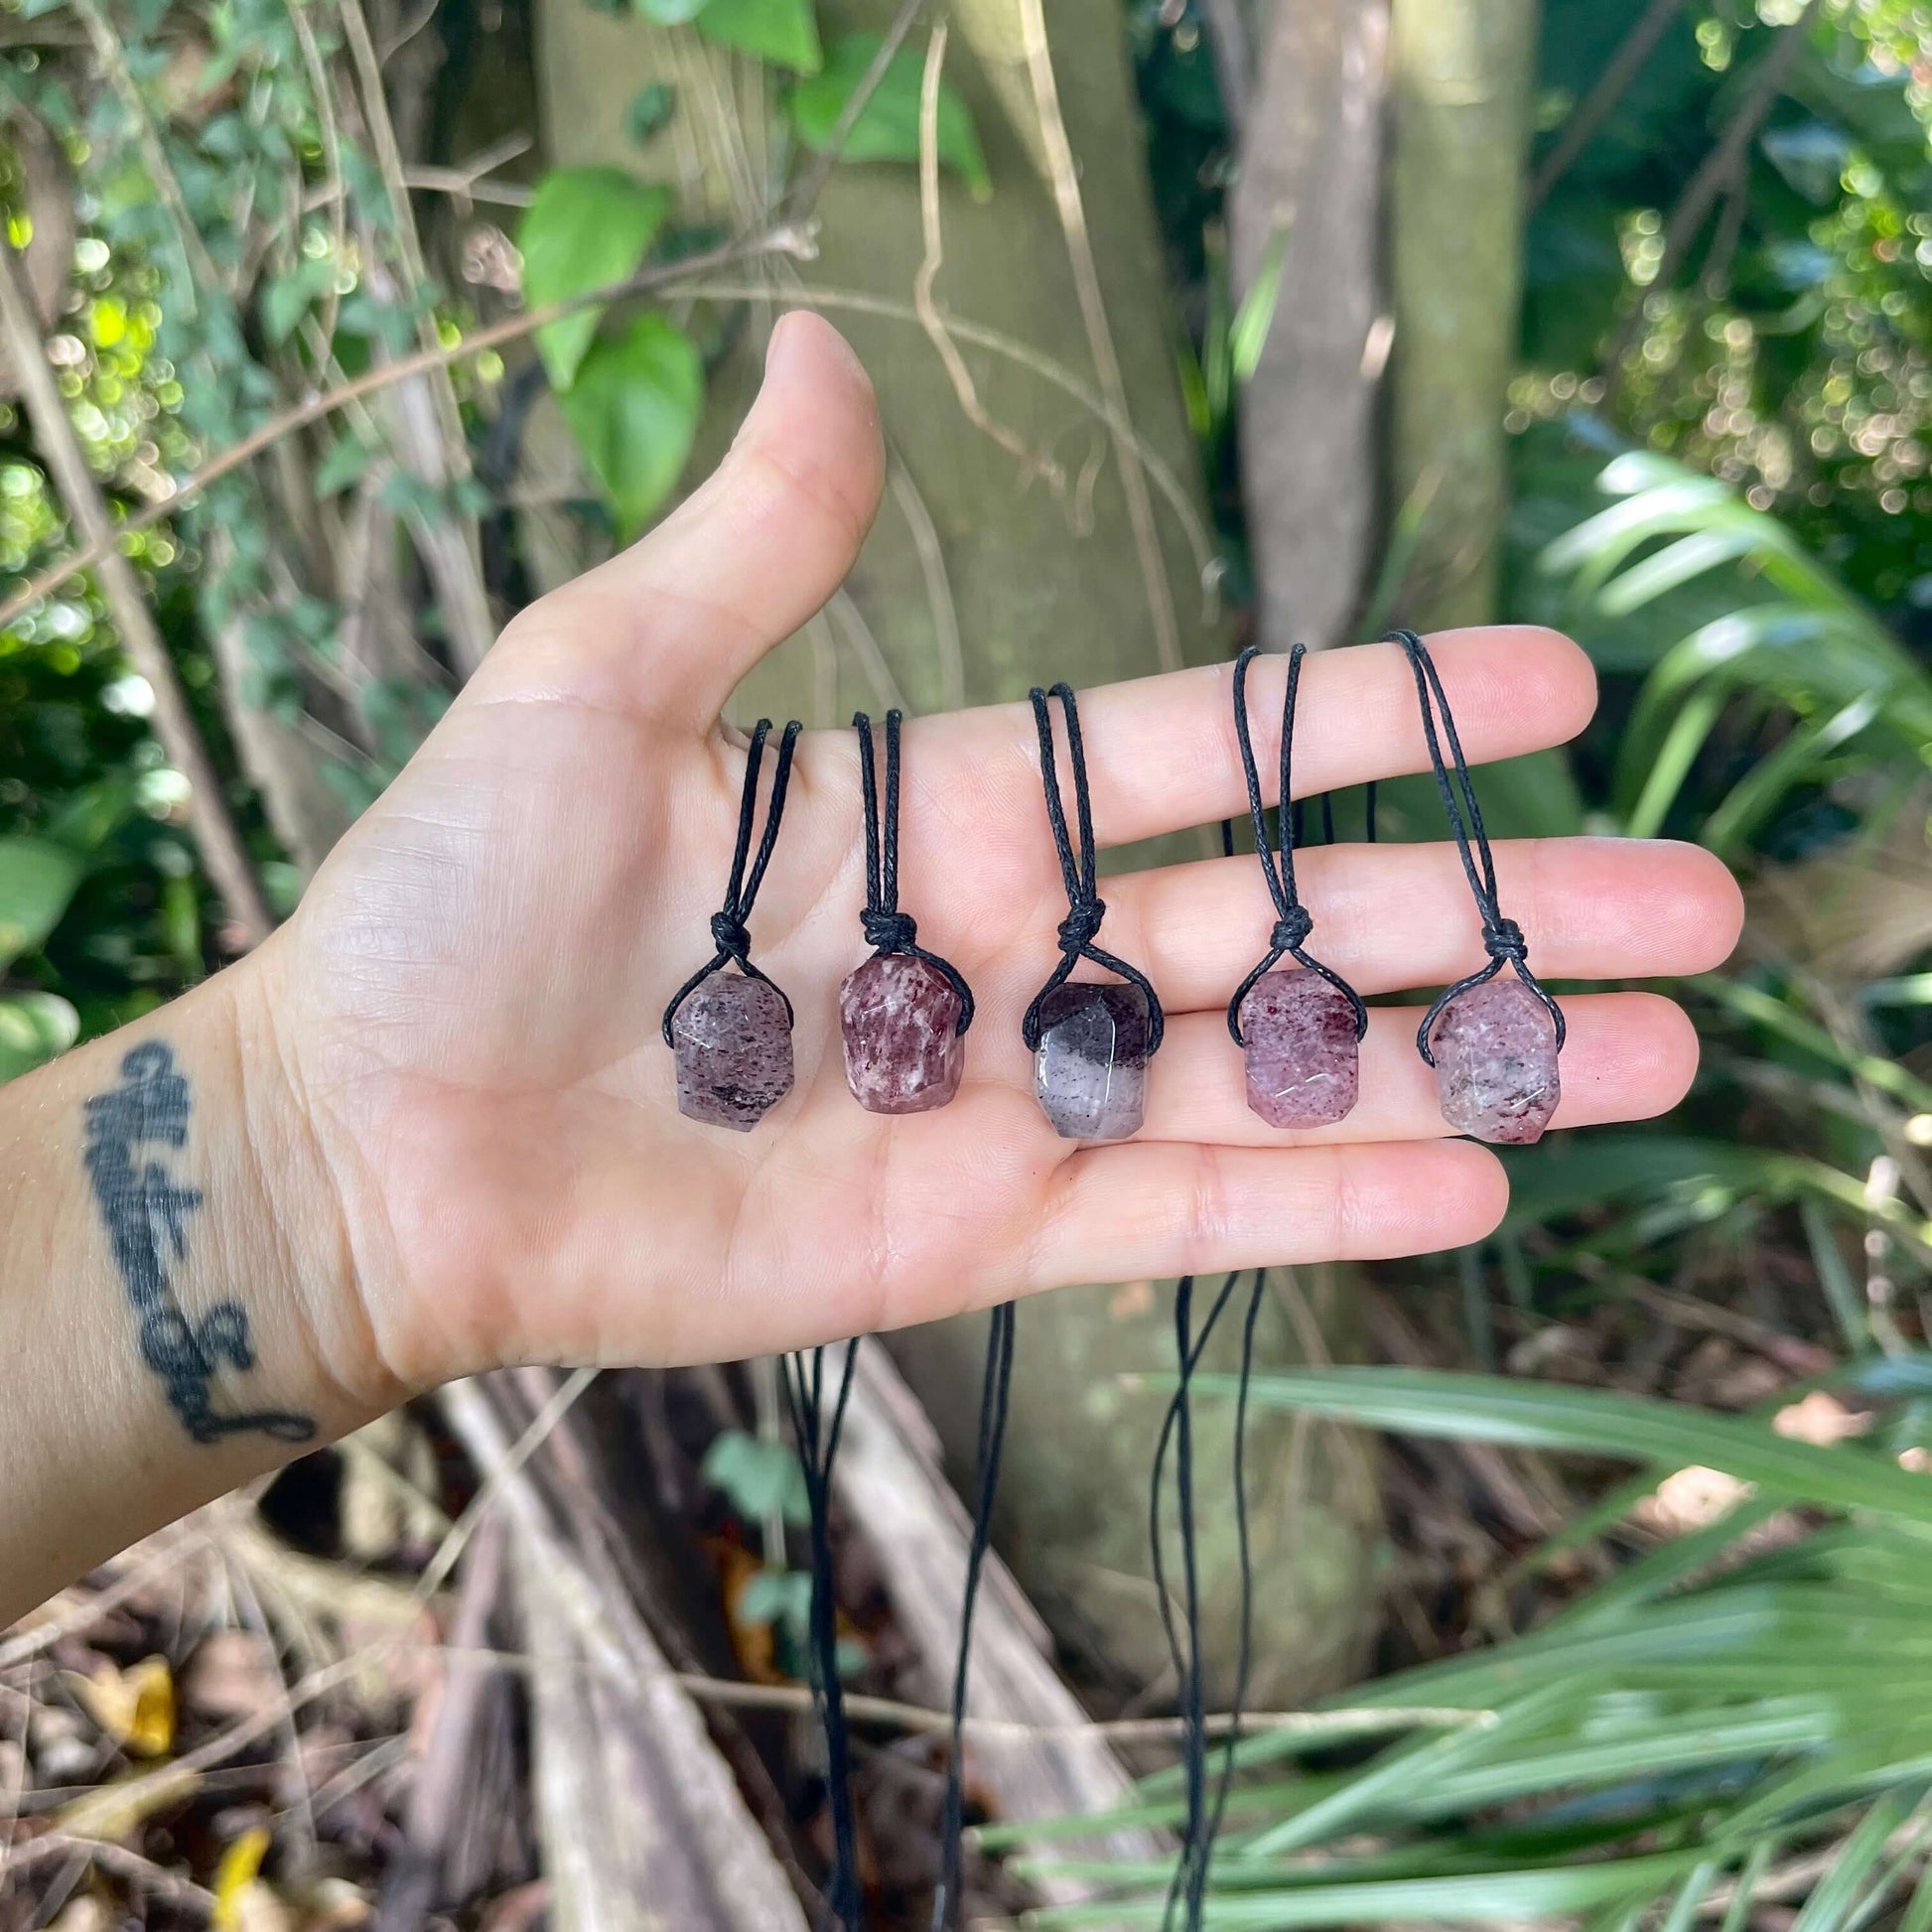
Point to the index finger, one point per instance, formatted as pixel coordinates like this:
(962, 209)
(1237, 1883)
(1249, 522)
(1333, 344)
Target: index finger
(1163, 755)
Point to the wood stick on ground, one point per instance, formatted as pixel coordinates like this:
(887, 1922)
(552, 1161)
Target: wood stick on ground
(631, 1790)
(215, 832)
(446, 1774)
(890, 1481)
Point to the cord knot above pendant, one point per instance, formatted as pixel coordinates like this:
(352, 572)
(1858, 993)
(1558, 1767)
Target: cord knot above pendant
(1082, 923)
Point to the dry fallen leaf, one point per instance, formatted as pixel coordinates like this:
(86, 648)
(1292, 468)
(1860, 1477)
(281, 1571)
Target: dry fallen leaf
(134, 1706)
(116, 1811)
(1820, 1418)
(1691, 1499)
(231, 1674)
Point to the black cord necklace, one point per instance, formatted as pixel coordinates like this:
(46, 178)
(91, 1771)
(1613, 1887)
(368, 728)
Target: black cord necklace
(1188, 1889)
(1299, 1032)
(802, 1377)
(731, 1031)
(1091, 1042)
(995, 1392)
(1493, 1041)
(903, 1012)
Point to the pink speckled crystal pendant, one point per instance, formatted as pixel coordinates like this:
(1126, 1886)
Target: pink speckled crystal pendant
(1300, 1048)
(732, 1040)
(899, 1019)
(1495, 1052)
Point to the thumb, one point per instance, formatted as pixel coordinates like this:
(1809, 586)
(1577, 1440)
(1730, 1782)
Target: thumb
(670, 625)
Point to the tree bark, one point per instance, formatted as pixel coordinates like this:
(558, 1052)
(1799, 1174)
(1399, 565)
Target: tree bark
(1460, 75)
(1310, 183)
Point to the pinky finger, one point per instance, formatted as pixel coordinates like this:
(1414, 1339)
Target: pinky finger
(1149, 1209)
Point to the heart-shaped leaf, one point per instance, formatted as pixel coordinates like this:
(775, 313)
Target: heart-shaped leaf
(633, 409)
(888, 125)
(587, 228)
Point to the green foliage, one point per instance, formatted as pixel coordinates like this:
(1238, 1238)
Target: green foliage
(1789, 636)
(37, 879)
(633, 409)
(34, 1026)
(784, 32)
(887, 127)
(1728, 1699)
(757, 1478)
(587, 228)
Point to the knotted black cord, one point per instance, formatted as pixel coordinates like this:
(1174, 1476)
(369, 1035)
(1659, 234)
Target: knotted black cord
(1189, 1880)
(728, 931)
(818, 1445)
(1502, 938)
(1085, 908)
(886, 928)
(996, 1390)
(1292, 924)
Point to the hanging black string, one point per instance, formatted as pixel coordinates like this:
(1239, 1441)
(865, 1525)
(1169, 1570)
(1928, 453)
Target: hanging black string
(886, 928)
(728, 931)
(1502, 938)
(1085, 908)
(1292, 924)
(1188, 1889)
(802, 1377)
(996, 1390)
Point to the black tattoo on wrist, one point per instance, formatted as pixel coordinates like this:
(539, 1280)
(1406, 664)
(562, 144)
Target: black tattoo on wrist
(146, 1215)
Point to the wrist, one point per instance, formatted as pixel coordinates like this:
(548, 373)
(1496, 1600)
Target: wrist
(327, 1262)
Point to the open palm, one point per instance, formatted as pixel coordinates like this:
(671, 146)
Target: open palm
(469, 997)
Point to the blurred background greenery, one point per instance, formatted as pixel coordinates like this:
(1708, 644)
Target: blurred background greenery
(1194, 323)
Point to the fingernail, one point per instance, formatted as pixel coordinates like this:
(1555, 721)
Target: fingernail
(783, 345)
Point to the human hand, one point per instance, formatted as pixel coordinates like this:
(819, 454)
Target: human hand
(466, 1006)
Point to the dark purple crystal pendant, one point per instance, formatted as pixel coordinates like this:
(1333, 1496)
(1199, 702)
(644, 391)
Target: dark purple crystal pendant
(1090, 1065)
(1091, 1042)
(731, 1033)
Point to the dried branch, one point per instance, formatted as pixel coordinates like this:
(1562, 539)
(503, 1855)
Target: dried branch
(965, 390)
(1719, 173)
(663, 276)
(1596, 106)
(812, 183)
(215, 832)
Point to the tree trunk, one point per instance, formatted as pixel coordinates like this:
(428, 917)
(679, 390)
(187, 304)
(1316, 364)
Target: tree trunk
(989, 572)
(1460, 75)
(1310, 187)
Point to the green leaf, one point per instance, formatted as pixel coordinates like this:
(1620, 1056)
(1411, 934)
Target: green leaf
(342, 466)
(37, 879)
(1534, 1415)
(777, 1597)
(1248, 335)
(650, 108)
(670, 13)
(757, 1477)
(587, 228)
(783, 31)
(1476, 1896)
(888, 125)
(634, 410)
(34, 1026)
